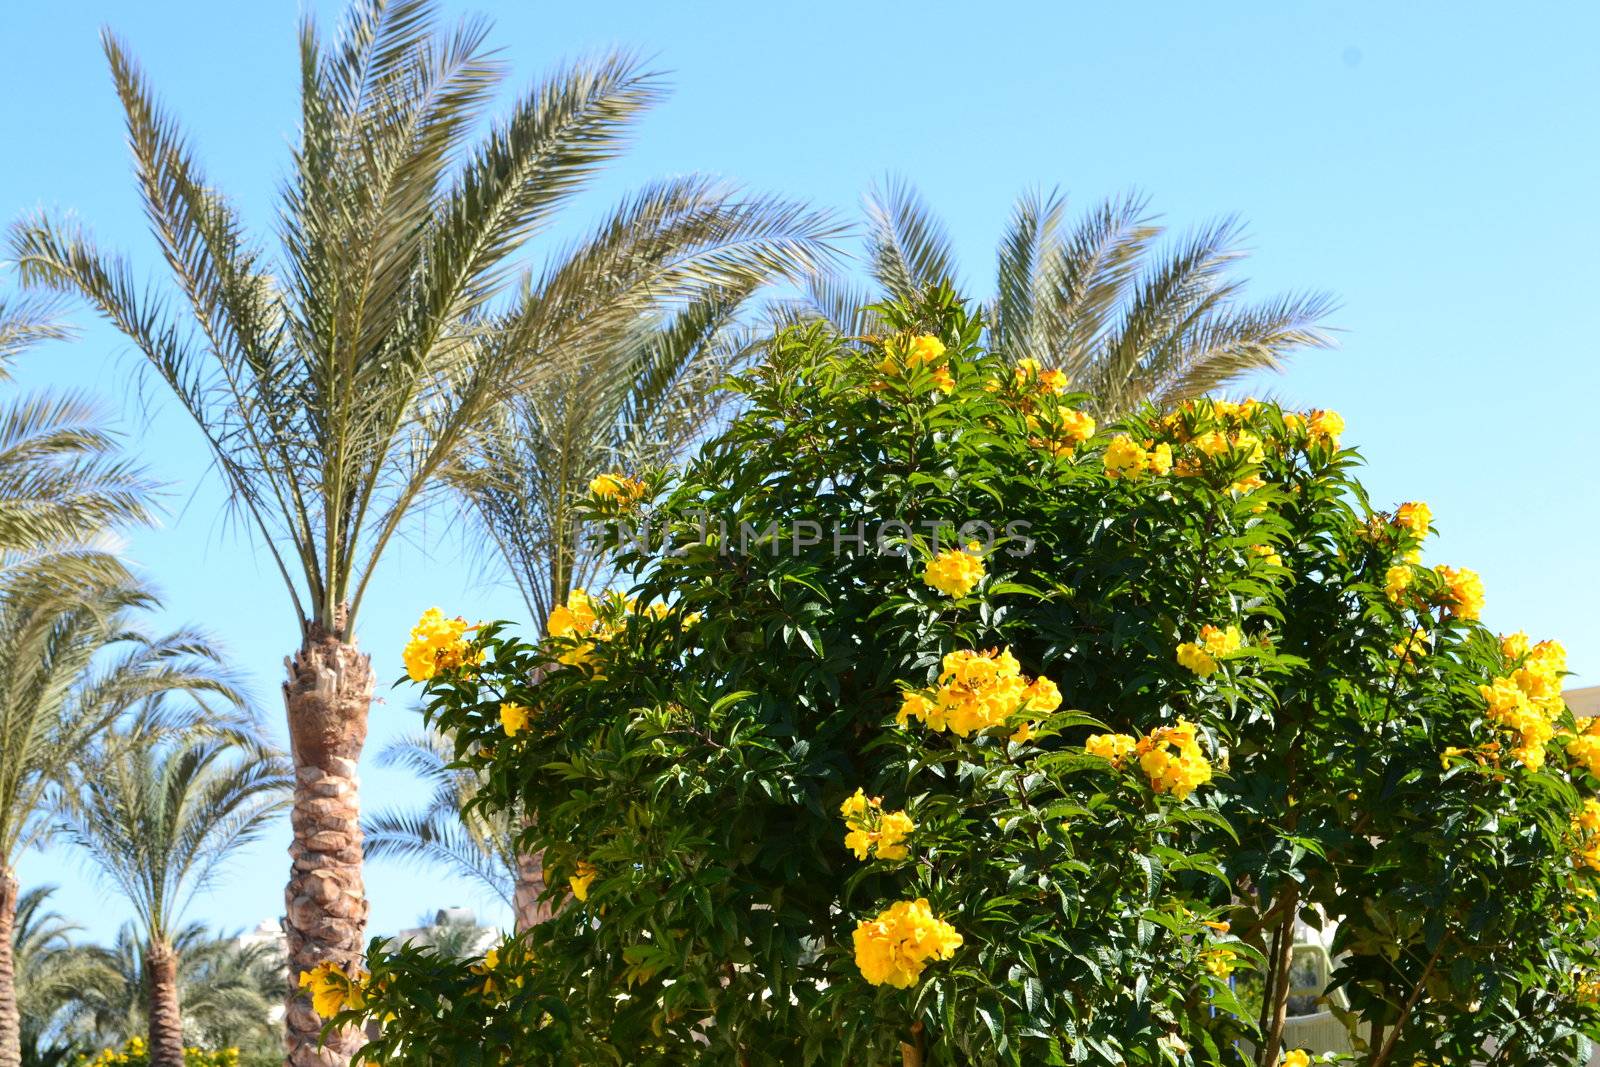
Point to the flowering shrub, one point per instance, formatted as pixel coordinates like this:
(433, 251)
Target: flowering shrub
(135, 1053)
(935, 723)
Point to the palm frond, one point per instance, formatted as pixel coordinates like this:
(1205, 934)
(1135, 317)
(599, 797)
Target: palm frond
(908, 249)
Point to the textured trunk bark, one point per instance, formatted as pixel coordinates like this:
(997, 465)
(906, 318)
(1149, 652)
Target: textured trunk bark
(327, 696)
(166, 1019)
(10, 1023)
(530, 911)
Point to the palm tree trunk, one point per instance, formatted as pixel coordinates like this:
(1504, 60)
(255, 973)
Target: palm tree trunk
(166, 1019)
(10, 1023)
(529, 910)
(327, 695)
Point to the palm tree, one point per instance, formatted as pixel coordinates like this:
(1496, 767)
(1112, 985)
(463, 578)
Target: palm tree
(445, 832)
(51, 972)
(62, 482)
(1128, 318)
(340, 381)
(73, 661)
(640, 399)
(158, 815)
(61, 488)
(227, 990)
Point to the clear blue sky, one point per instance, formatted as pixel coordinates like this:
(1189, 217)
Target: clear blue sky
(1433, 164)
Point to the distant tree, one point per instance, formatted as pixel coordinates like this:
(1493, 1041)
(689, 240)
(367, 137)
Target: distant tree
(1129, 318)
(73, 662)
(228, 990)
(159, 816)
(50, 972)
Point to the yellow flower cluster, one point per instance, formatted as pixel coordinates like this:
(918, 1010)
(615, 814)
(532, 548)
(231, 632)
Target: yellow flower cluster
(1114, 747)
(332, 989)
(1052, 382)
(894, 948)
(1126, 458)
(582, 876)
(1326, 426)
(514, 718)
(1220, 962)
(1295, 1058)
(1463, 592)
(1396, 580)
(901, 354)
(438, 644)
(1528, 702)
(617, 487)
(1414, 517)
(576, 616)
(1172, 759)
(979, 690)
(135, 1053)
(1212, 643)
(955, 572)
(580, 622)
(1061, 432)
(871, 828)
(1170, 756)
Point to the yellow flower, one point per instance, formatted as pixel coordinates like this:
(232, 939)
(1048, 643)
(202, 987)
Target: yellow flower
(576, 616)
(1463, 591)
(618, 487)
(1172, 759)
(1053, 381)
(979, 690)
(1042, 695)
(332, 990)
(581, 877)
(924, 348)
(1295, 1058)
(916, 706)
(955, 572)
(1195, 658)
(1158, 460)
(1327, 425)
(1514, 646)
(514, 718)
(870, 827)
(895, 948)
(1396, 580)
(1414, 517)
(943, 380)
(1220, 642)
(1219, 961)
(918, 351)
(438, 644)
(1126, 458)
(855, 805)
(1267, 554)
(1114, 747)
(1212, 644)
(1071, 429)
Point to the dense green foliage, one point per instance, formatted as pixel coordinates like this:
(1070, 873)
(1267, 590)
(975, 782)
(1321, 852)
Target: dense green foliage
(684, 752)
